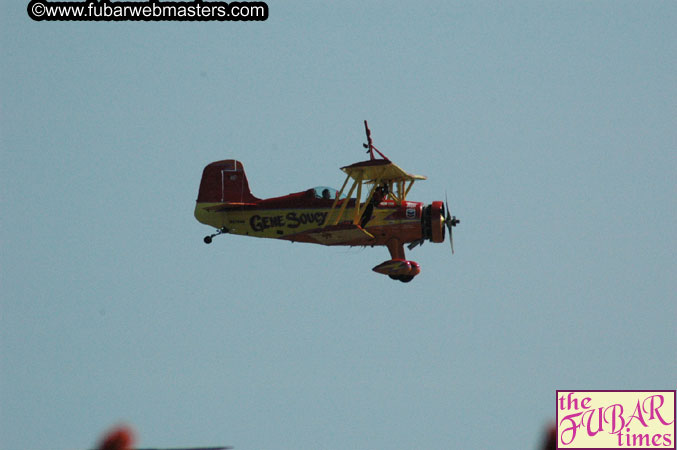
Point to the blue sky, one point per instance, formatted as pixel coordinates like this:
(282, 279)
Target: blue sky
(551, 126)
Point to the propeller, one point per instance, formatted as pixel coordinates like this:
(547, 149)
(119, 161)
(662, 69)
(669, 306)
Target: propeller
(450, 221)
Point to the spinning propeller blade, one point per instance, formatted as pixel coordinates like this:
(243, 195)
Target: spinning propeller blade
(450, 221)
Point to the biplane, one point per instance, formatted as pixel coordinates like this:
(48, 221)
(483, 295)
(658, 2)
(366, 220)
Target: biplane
(324, 215)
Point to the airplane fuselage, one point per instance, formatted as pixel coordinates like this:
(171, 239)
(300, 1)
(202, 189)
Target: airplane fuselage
(293, 223)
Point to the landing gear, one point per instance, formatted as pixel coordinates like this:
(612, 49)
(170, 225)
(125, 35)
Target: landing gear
(208, 239)
(402, 278)
(398, 268)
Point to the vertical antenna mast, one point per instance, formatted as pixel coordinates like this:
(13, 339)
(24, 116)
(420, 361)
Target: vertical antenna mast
(369, 145)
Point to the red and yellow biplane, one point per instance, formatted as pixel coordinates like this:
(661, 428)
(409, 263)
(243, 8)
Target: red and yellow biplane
(323, 215)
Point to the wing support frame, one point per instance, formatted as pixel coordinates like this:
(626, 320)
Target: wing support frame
(373, 171)
(359, 206)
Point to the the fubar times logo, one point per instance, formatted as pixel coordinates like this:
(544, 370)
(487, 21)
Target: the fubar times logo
(615, 419)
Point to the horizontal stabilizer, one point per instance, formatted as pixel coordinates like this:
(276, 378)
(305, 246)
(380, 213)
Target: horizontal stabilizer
(227, 206)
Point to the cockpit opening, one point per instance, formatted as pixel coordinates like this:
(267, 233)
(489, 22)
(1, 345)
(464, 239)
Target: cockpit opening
(326, 193)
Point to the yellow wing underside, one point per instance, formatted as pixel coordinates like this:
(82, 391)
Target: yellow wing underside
(389, 172)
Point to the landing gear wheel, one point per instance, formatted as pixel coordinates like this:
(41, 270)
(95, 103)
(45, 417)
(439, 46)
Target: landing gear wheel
(402, 278)
(208, 239)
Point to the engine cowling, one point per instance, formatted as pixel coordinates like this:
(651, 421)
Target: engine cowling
(432, 222)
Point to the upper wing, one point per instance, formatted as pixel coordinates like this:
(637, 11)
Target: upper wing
(379, 169)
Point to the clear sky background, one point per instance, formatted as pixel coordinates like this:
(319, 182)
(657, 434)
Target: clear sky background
(551, 125)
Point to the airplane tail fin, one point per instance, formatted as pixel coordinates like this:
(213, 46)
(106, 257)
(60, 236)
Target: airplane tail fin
(224, 181)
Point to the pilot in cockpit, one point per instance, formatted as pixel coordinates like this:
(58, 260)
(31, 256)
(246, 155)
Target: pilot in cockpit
(323, 192)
